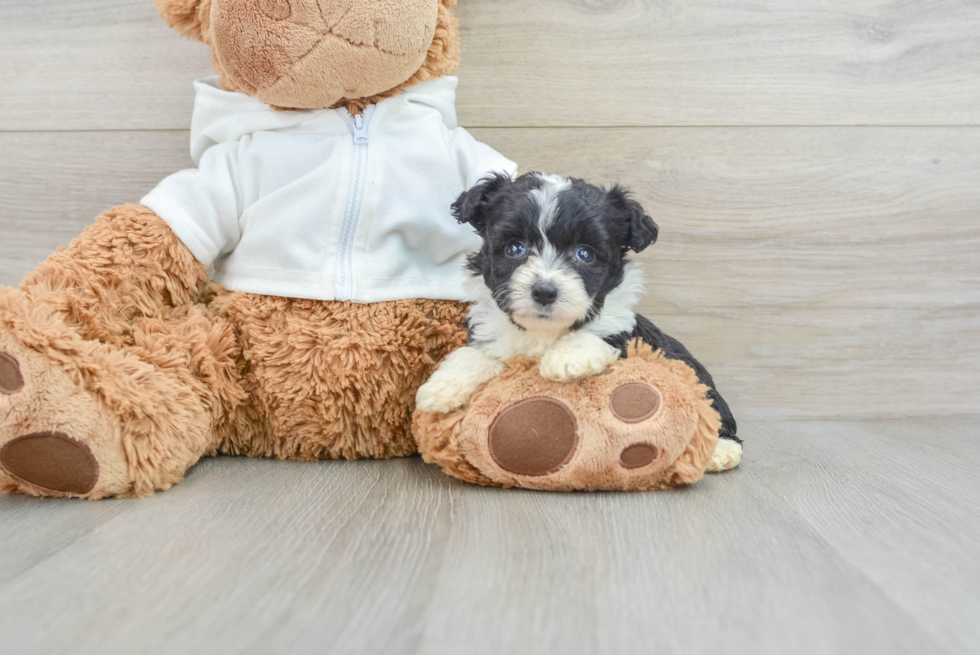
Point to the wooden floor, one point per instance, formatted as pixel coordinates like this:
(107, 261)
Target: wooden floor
(815, 170)
(833, 537)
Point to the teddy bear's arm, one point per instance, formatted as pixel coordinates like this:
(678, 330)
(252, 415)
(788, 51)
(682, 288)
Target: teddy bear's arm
(476, 159)
(203, 205)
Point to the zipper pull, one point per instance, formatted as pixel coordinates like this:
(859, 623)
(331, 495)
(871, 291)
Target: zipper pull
(360, 130)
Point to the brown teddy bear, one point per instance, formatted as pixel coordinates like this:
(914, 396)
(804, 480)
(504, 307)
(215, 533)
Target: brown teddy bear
(288, 297)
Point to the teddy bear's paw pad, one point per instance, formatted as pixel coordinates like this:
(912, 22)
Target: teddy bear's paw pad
(53, 461)
(638, 455)
(534, 437)
(634, 402)
(11, 379)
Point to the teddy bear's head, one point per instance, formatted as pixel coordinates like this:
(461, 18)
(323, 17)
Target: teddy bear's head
(313, 54)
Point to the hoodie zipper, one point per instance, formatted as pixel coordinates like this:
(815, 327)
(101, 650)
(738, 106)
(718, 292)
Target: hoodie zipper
(358, 126)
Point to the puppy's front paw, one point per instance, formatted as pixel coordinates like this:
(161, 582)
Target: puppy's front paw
(577, 359)
(438, 397)
(456, 380)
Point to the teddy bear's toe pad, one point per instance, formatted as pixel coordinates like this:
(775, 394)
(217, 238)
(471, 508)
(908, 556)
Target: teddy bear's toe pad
(634, 402)
(638, 455)
(53, 461)
(11, 380)
(534, 437)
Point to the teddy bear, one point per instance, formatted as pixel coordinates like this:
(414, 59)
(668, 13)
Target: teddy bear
(284, 299)
(288, 296)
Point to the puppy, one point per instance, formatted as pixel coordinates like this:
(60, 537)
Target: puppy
(552, 282)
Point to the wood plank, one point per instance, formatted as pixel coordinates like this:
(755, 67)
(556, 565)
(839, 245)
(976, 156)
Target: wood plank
(711, 62)
(817, 272)
(241, 549)
(113, 64)
(52, 185)
(32, 534)
(610, 574)
(258, 556)
(897, 508)
(94, 64)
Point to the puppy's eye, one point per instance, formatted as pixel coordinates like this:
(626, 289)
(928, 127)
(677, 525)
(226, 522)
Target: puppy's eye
(585, 255)
(515, 249)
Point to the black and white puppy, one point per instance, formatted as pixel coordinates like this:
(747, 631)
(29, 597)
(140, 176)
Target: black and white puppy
(552, 282)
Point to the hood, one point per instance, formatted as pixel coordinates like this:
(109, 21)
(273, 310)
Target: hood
(221, 116)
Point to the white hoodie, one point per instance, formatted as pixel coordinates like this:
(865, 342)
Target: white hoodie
(317, 204)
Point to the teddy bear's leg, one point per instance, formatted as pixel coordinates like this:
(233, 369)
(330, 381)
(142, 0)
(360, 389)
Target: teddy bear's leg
(331, 380)
(128, 264)
(643, 424)
(110, 375)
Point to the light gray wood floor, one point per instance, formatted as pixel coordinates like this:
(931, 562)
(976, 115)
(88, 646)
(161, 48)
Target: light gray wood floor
(834, 537)
(815, 169)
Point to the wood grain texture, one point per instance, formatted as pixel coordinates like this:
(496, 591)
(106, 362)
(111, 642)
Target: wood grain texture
(113, 64)
(833, 537)
(52, 185)
(720, 62)
(918, 516)
(816, 272)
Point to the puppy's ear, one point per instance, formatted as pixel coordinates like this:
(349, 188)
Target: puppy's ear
(186, 16)
(472, 207)
(641, 231)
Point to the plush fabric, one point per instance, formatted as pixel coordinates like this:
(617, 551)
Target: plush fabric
(645, 424)
(276, 50)
(121, 363)
(124, 346)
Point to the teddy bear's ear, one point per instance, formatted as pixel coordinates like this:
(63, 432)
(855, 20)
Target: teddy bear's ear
(471, 207)
(185, 16)
(641, 231)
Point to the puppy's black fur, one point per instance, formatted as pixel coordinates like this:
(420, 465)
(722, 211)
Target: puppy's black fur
(609, 223)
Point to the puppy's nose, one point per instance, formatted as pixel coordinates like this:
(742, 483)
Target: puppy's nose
(544, 293)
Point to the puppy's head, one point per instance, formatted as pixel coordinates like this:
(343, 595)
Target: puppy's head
(553, 247)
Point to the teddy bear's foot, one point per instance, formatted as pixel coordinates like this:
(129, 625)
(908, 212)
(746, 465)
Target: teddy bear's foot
(727, 455)
(84, 419)
(56, 439)
(643, 424)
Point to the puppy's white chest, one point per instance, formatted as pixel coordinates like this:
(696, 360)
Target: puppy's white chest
(522, 342)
